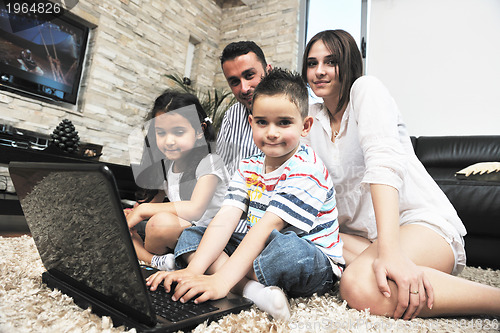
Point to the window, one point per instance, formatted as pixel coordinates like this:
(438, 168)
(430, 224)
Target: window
(334, 14)
(190, 56)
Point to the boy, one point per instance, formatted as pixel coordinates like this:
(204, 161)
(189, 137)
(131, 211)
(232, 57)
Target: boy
(289, 200)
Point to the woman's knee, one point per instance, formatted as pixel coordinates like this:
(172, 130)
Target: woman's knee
(359, 289)
(353, 288)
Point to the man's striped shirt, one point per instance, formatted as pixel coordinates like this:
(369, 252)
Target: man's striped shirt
(235, 142)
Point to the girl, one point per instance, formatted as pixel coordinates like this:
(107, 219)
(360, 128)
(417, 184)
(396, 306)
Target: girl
(403, 240)
(192, 178)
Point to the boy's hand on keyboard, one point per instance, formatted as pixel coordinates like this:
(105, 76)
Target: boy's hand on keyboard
(167, 278)
(203, 287)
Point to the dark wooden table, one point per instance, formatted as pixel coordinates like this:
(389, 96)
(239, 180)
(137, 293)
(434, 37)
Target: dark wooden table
(9, 205)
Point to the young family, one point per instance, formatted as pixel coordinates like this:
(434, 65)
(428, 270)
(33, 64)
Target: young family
(299, 197)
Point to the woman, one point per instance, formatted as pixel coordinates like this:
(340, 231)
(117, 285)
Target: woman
(403, 240)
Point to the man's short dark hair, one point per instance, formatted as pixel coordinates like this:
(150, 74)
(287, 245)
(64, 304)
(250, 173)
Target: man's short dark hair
(284, 82)
(237, 49)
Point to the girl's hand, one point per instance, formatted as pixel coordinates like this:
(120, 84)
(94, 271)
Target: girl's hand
(134, 216)
(414, 289)
(127, 211)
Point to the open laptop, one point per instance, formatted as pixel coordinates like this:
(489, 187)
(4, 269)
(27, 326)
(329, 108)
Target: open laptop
(76, 219)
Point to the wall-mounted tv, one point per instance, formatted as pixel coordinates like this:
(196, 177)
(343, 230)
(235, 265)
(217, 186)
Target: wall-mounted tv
(42, 56)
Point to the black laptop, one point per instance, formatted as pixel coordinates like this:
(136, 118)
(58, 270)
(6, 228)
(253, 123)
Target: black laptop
(76, 219)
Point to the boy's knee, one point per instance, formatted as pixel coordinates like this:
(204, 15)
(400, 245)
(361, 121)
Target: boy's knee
(293, 264)
(288, 250)
(189, 240)
(193, 234)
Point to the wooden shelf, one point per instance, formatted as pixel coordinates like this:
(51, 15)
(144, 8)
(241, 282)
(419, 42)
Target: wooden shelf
(11, 215)
(123, 173)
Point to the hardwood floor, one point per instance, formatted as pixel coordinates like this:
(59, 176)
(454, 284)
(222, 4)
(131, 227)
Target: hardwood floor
(13, 226)
(13, 233)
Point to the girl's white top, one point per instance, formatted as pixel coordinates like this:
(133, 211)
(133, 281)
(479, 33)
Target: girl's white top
(211, 164)
(373, 147)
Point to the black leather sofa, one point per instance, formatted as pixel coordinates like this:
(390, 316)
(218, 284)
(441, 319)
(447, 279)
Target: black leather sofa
(477, 200)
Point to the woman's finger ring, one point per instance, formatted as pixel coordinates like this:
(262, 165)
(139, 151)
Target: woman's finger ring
(414, 292)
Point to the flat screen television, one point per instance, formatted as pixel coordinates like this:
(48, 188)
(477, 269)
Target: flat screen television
(42, 56)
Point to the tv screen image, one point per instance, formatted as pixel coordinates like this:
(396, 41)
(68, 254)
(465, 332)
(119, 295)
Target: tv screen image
(42, 56)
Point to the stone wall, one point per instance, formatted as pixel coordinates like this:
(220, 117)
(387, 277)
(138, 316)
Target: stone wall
(136, 43)
(272, 24)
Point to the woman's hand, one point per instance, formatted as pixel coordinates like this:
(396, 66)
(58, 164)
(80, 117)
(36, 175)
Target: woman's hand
(414, 289)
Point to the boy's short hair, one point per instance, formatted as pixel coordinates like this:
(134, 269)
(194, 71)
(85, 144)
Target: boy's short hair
(284, 82)
(236, 49)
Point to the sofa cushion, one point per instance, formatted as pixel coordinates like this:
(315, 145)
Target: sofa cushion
(482, 251)
(476, 199)
(477, 203)
(443, 174)
(457, 151)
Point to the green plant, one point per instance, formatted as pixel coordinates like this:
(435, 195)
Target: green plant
(215, 101)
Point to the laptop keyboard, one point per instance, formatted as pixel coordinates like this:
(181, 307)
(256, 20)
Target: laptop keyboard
(177, 311)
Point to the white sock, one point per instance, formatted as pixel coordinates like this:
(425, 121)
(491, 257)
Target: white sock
(165, 262)
(269, 299)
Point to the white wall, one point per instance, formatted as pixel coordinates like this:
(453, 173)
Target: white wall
(441, 61)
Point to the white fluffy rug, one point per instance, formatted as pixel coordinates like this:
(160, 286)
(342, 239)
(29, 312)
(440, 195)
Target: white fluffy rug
(26, 305)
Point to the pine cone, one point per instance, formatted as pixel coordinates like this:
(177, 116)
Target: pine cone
(65, 137)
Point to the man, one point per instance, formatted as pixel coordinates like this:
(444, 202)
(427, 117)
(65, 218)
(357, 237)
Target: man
(244, 65)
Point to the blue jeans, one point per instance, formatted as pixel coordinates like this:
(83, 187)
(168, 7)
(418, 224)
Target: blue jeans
(294, 264)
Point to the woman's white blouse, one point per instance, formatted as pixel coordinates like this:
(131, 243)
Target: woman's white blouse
(373, 147)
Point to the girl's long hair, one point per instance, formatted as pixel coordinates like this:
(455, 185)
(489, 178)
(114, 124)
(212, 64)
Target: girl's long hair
(172, 101)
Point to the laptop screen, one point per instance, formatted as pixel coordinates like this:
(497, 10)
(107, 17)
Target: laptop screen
(77, 222)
